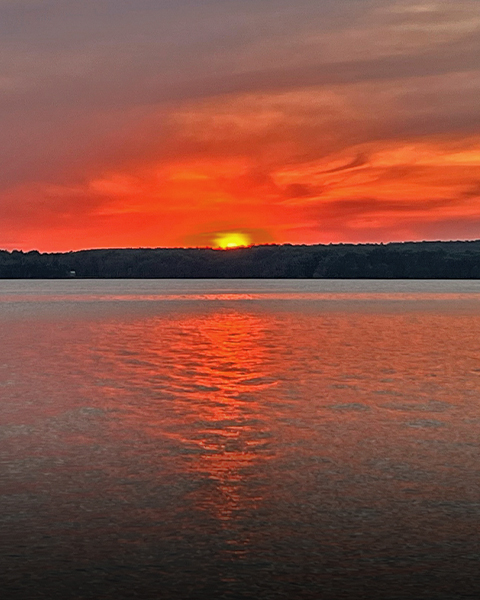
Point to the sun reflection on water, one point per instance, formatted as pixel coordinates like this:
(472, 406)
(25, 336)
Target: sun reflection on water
(232, 429)
(205, 379)
(223, 411)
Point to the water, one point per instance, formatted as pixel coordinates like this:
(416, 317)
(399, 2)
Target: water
(240, 439)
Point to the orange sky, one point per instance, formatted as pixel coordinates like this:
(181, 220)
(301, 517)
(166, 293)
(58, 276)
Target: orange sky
(176, 123)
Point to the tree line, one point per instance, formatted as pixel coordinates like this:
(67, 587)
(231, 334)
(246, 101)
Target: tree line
(408, 260)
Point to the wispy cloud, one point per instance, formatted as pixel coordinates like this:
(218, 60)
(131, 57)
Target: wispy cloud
(163, 122)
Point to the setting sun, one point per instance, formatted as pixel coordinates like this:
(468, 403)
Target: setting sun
(232, 239)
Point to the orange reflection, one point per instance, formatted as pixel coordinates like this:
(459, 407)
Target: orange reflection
(207, 380)
(223, 410)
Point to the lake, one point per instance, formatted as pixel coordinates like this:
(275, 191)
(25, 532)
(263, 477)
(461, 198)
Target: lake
(240, 439)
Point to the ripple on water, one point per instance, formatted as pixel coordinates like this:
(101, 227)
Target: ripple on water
(350, 407)
(425, 424)
(433, 406)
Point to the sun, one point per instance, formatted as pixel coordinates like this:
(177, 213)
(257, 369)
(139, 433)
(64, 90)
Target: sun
(231, 239)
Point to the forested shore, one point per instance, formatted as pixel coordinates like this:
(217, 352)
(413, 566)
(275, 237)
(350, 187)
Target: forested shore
(408, 260)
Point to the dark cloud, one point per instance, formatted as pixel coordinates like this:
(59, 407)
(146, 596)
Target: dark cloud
(302, 190)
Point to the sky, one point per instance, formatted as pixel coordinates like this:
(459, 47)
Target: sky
(169, 123)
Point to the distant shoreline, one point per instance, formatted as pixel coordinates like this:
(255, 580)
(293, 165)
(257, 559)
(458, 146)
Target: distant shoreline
(395, 260)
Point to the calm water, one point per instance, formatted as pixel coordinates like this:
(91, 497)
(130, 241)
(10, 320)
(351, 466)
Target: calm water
(240, 439)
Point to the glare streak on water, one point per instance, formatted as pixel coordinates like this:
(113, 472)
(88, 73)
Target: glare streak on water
(240, 439)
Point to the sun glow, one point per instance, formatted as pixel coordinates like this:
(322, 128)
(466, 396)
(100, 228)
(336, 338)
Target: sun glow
(232, 239)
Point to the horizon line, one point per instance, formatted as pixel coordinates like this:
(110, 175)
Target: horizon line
(232, 249)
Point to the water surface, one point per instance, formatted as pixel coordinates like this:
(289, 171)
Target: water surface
(240, 439)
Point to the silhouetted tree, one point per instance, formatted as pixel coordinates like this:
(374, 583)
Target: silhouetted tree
(410, 260)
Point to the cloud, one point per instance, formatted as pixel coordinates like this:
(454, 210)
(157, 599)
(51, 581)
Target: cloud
(159, 122)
